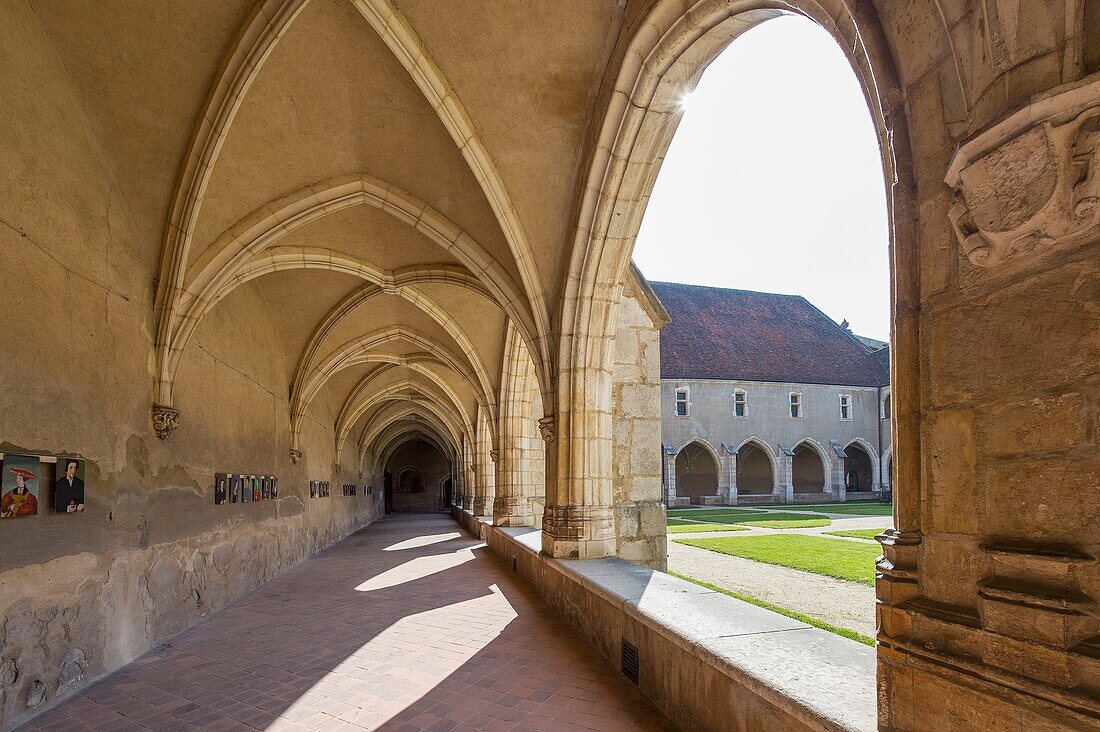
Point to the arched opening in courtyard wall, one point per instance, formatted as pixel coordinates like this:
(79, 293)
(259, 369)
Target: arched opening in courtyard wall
(696, 473)
(755, 470)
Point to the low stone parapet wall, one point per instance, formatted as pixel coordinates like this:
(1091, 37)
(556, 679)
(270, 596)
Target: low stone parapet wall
(706, 660)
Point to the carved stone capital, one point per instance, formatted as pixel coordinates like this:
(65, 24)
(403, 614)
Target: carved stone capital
(339, 468)
(165, 420)
(295, 456)
(548, 428)
(1030, 184)
(493, 455)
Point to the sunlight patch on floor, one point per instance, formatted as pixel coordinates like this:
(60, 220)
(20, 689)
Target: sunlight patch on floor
(419, 541)
(405, 661)
(418, 568)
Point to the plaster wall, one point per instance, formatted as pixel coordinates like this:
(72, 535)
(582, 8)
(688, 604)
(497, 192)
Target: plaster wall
(767, 418)
(82, 594)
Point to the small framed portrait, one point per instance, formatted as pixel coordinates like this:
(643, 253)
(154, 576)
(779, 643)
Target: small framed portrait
(19, 488)
(274, 487)
(221, 489)
(312, 489)
(234, 488)
(265, 488)
(328, 489)
(256, 496)
(246, 489)
(68, 485)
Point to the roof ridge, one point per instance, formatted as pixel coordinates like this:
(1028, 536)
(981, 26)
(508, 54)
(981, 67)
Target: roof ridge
(724, 289)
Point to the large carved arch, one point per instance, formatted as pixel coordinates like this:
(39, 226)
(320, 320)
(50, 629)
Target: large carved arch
(390, 416)
(362, 401)
(661, 60)
(346, 307)
(230, 261)
(360, 350)
(407, 46)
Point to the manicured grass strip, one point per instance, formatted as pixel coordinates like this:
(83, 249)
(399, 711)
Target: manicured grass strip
(802, 523)
(857, 533)
(850, 634)
(701, 513)
(733, 517)
(854, 509)
(846, 560)
(687, 527)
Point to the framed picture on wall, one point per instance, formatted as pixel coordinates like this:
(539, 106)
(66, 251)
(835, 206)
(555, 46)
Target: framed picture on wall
(312, 489)
(221, 488)
(255, 487)
(274, 487)
(265, 488)
(19, 488)
(234, 488)
(68, 485)
(246, 489)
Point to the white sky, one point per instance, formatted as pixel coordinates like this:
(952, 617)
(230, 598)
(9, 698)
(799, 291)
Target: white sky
(773, 181)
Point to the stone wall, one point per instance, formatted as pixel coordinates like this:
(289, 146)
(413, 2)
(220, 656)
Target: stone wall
(83, 593)
(636, 417)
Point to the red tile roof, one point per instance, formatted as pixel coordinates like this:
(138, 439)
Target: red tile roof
(718, 333)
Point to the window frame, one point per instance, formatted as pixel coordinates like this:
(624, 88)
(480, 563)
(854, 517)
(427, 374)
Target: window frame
(794, 399)
(686, 401)
(846, 402)
(743, 403)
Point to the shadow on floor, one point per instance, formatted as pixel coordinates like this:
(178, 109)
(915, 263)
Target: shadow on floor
(407, 624)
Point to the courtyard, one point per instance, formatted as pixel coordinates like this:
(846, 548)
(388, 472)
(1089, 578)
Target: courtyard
(812, 562)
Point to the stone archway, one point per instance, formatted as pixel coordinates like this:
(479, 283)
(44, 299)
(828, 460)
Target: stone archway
(755, 470)
(808, 469)
(696, 473)
(859, 469)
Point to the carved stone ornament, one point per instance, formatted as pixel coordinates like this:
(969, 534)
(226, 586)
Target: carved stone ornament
(295, 456)
(1031, 182)
(165, 420)
(547, 428)
(339, 468)
(493, 455)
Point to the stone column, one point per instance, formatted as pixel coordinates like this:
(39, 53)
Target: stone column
(485, 494)
(788, 478)
(512, 504)
(670, 476)
(727, 482)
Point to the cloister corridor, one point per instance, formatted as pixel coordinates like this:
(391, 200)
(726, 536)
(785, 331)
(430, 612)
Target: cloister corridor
(406, 624)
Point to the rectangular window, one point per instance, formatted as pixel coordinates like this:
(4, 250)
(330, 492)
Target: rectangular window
(682, 402)
(845, 406)
(739, 402)
(796, 405)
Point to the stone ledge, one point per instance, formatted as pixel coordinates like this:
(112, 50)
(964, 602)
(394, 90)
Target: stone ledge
(723, 663)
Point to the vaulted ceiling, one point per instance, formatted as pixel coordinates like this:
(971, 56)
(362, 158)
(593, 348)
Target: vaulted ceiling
(393, 177)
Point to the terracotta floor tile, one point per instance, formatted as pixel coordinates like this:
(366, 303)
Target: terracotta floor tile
(439, 637)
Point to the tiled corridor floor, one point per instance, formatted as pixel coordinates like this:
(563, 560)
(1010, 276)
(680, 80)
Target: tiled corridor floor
(407, 624)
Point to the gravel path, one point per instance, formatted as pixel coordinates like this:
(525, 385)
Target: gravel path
(849, 605)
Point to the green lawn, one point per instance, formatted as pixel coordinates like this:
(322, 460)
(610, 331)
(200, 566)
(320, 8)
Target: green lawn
(847, 560)
(793, 523)
(854, 509)
(857, 533)
(687, 527)
(701, 513)
(859, 637)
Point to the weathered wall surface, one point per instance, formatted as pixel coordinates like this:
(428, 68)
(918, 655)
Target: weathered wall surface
(81, 594)
(636, 418)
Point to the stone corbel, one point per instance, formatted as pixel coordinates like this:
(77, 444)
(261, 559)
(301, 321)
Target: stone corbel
(295, 456)
(547, 428)
(165, 420)
(1031, 182)
(493, 455)
(339, 468)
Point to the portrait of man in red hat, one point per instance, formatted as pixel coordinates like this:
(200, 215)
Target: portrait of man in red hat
(19, 487)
